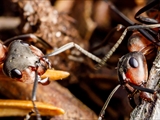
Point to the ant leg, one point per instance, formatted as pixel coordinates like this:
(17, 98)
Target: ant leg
(35, 110)
(101, 115)
(129, 23)
(28, 116)
(120, 14)
(71, 45)
(130, 28)
(144, 9)
(34, 91)
(109, 35)
(142, 88)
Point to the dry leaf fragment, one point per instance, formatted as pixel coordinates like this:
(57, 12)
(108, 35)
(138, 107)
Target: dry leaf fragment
(23, 107)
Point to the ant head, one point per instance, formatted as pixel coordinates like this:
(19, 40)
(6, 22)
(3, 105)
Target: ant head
(23, 60)
(132, 68)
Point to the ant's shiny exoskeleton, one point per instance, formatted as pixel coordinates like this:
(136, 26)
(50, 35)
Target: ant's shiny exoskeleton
(132, 67)
(26, 63)
(138, 86)
(149, 33)
(133, 72)
(15, 53)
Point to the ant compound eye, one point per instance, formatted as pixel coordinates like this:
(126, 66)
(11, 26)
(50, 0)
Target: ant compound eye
(133, 62)
(15, 73)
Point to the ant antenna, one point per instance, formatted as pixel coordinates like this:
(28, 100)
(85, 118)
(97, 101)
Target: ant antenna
(101, 115)
(25, 37)
(130, 28)
(71, 45)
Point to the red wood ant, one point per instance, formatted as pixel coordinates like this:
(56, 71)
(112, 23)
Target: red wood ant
(36, 62)
(148, 33)
(26, 63)
(132, 67)
(138, 42)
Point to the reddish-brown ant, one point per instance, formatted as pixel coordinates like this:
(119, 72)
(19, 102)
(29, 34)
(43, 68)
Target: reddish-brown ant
(148, 33)
(39, 62)
(132, 71)
(35, 62)
(26, 63)
(132, 67)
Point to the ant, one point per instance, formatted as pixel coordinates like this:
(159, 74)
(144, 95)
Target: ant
(132, 68)
(32, 63)
(36, 63)
(149, 34)
(26, 63)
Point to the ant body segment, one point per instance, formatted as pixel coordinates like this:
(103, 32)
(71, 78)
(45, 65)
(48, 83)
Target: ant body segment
(133, 73)
(26, 63)
(36, 62)
(149, 33)
(39, 62)
(132, 68)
